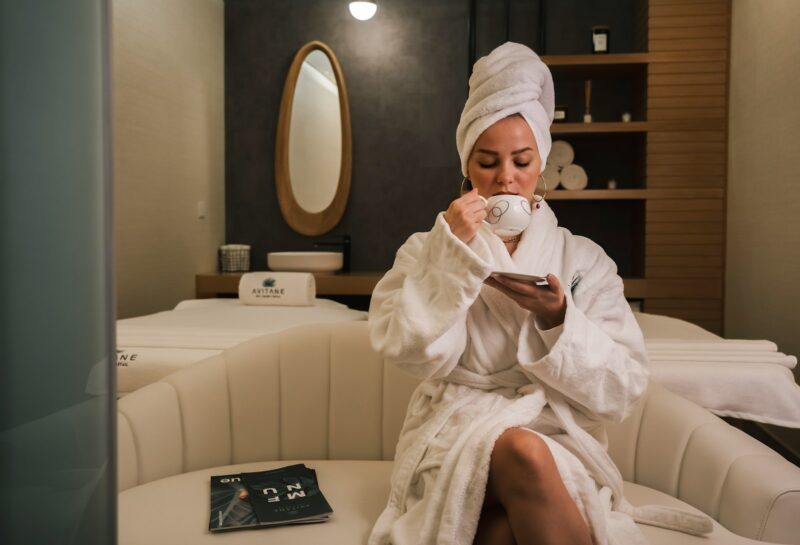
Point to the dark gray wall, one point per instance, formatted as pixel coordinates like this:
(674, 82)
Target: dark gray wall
(406, 72)
(406, 76)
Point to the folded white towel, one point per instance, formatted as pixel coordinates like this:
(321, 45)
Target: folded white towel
(510, 80)
(277, 288)
(709, 356)
(708, 344)
(760, 392)
(722, 350)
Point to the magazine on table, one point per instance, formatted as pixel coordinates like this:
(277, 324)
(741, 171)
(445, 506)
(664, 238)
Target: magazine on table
(287, 495)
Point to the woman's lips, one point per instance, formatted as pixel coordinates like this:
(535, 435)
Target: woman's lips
(505, 193)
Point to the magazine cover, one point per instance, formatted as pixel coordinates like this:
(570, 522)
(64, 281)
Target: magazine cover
(287, 496)
(230, 510)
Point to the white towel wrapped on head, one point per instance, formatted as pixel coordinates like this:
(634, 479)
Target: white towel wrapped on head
(510, 80)
(292, 289)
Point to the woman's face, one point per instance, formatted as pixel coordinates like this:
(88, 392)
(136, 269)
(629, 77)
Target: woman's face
(505, 159)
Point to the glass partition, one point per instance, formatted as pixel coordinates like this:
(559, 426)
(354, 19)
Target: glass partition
(57, 411)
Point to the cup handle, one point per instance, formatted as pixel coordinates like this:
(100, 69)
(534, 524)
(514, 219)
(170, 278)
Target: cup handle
(485, 204)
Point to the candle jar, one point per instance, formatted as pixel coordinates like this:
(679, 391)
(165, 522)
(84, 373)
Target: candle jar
(601, 35)
(560, 114)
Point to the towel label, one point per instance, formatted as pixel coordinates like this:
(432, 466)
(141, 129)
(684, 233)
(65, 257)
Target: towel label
(268, 290)
(124, 357)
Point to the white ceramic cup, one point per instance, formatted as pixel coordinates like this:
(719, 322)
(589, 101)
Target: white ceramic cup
(507, 215)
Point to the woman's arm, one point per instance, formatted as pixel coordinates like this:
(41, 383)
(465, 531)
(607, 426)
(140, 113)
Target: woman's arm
(417, 315)
(597, 357)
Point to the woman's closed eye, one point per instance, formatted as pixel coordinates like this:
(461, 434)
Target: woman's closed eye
(492, 165)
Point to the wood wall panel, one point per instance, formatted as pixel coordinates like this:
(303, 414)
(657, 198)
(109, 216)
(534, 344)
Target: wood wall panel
(705, 238)
(684, 204)
(689, 32)
(687, 84)
(686, 79)
(693, 8)
(684, 169)
(659, 159)
(688, 67)
(716, 102)
(667, 182)
(683, 272)
(671, 248)
(686, 145)
(688, 45)
(686, 90)
(683, 22)
(693, 136)
(685, 261)
(685, 216)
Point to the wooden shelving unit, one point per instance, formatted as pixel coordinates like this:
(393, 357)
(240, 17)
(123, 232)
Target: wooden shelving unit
(681, 85)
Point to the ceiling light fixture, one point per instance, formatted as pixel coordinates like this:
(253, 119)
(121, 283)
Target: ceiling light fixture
(363, 10)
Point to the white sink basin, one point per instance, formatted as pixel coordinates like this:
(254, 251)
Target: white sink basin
(305, 261)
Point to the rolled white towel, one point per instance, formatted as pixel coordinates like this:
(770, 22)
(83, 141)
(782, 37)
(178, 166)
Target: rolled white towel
(277, 288)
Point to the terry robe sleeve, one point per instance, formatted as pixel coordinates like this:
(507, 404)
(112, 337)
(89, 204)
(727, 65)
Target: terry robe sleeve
(417, 317)
(597, 360)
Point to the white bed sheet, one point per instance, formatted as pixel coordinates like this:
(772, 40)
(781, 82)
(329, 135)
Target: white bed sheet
(741, 379)
(153, 346)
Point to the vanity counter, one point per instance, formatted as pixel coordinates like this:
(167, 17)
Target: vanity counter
(354, 283)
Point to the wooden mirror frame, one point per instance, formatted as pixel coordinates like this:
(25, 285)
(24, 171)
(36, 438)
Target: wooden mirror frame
(304, 222)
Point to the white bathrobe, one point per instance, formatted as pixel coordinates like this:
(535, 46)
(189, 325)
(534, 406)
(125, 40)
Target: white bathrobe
(488, 367)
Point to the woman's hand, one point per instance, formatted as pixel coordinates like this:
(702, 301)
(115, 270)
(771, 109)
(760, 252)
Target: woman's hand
(548, 303)
(465, 214)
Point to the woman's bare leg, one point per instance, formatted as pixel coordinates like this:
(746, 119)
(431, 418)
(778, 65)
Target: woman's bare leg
(524, 478)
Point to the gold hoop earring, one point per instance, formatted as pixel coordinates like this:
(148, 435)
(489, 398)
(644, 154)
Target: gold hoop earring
(463, 191)
(539, 198)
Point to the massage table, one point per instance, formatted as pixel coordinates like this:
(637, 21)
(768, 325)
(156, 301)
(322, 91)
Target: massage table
(153, 346)
(747, 380)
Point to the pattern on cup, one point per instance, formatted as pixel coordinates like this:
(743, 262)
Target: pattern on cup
(498, 210)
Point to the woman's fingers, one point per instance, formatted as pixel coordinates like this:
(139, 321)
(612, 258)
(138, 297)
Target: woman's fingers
(555, 283)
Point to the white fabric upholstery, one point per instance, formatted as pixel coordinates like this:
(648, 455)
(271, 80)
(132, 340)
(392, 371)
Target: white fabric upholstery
(320, 395)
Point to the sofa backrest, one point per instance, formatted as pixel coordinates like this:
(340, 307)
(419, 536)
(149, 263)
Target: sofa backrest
(311, 392)
(321, 392)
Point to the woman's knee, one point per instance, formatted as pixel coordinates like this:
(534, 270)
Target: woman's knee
(521, 462)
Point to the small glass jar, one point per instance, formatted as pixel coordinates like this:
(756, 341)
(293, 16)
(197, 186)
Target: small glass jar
(601, 36)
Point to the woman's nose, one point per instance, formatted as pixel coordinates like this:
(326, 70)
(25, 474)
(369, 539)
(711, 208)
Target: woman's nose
(504, 175)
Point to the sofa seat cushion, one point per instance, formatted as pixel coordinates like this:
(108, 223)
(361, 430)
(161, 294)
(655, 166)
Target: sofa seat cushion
(175, 510)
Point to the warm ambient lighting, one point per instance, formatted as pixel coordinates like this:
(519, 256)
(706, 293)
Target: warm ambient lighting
(363, 10)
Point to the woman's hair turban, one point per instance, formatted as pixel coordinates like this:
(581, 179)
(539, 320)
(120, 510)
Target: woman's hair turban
(510, 80)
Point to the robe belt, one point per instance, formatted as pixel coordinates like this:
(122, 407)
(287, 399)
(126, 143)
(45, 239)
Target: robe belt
(512, 377)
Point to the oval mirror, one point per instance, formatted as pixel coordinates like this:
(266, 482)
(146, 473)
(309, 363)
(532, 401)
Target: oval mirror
(312, 148)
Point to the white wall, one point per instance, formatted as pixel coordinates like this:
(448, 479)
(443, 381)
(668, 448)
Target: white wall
(169, 154)
(762, 296)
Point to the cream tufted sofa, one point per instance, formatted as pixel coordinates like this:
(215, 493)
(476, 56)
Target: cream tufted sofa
(320, 395)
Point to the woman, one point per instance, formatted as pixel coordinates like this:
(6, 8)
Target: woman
(503, 441)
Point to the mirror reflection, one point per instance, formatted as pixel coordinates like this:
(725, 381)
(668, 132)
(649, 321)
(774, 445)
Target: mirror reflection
(315, 135)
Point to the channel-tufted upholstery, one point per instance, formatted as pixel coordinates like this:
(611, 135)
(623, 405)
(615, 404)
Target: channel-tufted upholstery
(319, 394)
